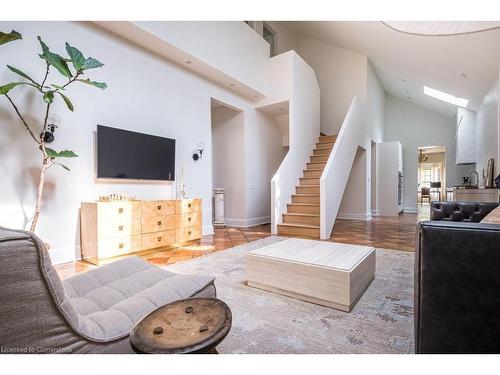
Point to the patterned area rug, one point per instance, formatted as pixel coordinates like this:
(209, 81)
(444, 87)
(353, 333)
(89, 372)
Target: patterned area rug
(264, 322)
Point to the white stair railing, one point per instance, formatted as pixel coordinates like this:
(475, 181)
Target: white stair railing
(338, 167)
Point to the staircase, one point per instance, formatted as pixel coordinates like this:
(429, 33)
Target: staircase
(302, 217)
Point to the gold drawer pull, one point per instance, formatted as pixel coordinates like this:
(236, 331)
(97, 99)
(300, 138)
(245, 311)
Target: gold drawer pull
(159, 222)
(120, 245)
(189, 205)
(120, 210)
(158, 207)
(159, 238)
(189, 219)
(189, 233)
(120, 227)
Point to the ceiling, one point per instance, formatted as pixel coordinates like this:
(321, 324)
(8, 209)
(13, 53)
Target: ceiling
(462, 65)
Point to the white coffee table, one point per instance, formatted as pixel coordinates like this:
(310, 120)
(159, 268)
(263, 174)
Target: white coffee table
(326, 273)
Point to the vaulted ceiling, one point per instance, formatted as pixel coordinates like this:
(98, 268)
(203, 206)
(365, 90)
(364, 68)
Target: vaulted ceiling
(464, 65)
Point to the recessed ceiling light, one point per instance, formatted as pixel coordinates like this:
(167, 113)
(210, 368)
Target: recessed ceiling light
(461, 102)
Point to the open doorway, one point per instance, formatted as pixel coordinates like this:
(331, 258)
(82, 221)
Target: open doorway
(228, 158)
(431, 176)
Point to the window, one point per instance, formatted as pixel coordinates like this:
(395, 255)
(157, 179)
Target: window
(269, 36)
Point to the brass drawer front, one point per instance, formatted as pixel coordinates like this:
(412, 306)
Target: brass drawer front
(157, 223)
(157, 208)
(119, 246)
(158, 239)
(183, 206)
(188, 220)
(187, 234)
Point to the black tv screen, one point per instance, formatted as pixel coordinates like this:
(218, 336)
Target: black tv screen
(129, 155)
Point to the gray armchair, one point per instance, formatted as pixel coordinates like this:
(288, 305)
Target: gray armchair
(89, 313)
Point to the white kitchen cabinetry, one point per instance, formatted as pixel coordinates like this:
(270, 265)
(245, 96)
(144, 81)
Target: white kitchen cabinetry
(465, 137)
(389, 178)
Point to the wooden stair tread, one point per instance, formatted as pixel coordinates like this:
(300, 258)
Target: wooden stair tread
(299, 214)
(303, 204)
(299, 225)
(306, 195)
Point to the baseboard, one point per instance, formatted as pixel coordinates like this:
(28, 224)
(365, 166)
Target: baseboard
(410, 210)
(246, 223)
(355, 216)
(59, 255)
(375, 213)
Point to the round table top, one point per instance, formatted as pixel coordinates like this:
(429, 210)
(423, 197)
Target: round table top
(185, 326)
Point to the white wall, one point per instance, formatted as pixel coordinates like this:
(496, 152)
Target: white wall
(487, 133)
(146, 93)
(229, 46)
(264, 153)
(304, 126)
(354, 204)
(415, 126)
(342, 74)
(228, 161)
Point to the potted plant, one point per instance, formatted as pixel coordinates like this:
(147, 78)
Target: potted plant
(73, 69)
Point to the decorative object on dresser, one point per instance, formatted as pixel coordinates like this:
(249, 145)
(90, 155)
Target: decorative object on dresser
(115, 228)
(189, 326)
(326, 273)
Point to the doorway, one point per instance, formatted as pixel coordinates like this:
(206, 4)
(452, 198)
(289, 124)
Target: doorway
(431, 176)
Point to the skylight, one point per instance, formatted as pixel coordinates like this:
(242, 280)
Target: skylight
(461, 102)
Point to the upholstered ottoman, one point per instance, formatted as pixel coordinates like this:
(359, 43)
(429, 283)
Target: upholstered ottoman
(89, 313)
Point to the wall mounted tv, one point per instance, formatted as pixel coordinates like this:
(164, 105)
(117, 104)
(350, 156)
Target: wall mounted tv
(125, 154)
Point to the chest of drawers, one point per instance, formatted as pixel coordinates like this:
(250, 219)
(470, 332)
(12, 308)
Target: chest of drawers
(110, 229)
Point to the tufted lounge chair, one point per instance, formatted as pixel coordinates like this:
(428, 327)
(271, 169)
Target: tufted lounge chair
(89, 313)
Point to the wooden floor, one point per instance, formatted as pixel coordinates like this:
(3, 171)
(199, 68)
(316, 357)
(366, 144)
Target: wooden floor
(381, 232)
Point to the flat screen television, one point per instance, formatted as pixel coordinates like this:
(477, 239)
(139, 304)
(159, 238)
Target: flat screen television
(124, 154)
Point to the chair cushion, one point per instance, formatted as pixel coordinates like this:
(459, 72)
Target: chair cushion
(111, 299)
(493, 217)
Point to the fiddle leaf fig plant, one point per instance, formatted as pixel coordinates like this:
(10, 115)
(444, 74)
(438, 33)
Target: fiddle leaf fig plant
(71, 70)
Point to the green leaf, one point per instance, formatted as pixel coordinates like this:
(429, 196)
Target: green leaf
(62, 165)
(58, 87)
(22, 74)
(76, 56)
(61, 154)
(67, 101)
(100, 85)
(10, 37)
(54, 59)
(48, 97)
(9, 86)
(91, 63)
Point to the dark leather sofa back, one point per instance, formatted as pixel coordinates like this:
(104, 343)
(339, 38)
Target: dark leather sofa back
(457, 281)
(472, 212)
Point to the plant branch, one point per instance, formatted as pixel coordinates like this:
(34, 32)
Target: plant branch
(45, 78)
(22, 119)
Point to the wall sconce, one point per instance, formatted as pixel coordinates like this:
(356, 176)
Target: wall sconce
(53, 122)
(198, 155)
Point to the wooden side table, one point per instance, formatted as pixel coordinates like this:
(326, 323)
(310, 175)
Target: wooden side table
(193, 325)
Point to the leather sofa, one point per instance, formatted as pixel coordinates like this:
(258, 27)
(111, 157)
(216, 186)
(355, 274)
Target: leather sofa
(457, 280)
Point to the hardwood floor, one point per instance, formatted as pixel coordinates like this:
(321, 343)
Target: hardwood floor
(382, 232)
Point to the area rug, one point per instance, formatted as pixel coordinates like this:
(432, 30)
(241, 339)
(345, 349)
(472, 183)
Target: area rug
(264, 322)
